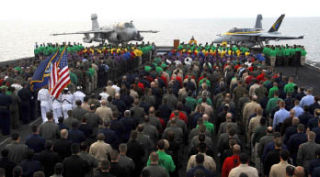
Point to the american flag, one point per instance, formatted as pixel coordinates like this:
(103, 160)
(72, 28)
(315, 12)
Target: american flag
(59, 75)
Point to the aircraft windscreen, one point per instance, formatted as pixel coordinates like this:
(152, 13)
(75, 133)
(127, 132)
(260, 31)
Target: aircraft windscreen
(233, 30)
(128, 25)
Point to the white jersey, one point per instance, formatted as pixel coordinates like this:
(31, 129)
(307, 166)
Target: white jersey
(44, 97)
(116, 88)
(104, 95)
(78, 95)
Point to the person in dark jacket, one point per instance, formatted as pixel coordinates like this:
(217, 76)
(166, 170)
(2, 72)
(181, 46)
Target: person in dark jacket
(128, 123)
(48, 158)
(29, 165)
(78, 112)
(92, 162)
(5, 102)
(117, 126)
(17, 171)
(62, 145)
(93, 120)
(136, 153)
(76, 135)
(6, 164)
(125, 161)
(35, 141)
(273, 157)
(104, 169)
(116, 169)
(111, 137)
(295, 141)
(16, 149)
(85, 128)
(74, 165)
(25, 107)
(305, 116)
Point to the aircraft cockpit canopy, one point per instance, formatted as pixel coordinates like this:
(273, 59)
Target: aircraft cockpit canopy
(128, 25)
(232, 30)
(235, 29)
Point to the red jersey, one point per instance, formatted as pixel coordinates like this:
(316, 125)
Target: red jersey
(228, 164)
(182, 116)
(260, 77)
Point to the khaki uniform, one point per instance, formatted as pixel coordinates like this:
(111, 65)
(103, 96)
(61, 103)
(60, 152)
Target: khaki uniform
(105, 113)
(253, 124)
(279, 169)
(244, 168)
(208, 163)
(248, 110)
(111, 91)
(100, 150)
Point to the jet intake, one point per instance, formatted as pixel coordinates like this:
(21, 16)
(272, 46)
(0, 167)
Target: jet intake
(87, 38)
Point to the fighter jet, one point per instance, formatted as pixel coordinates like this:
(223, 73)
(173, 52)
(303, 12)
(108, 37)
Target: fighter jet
(116, 34)
(251, 37)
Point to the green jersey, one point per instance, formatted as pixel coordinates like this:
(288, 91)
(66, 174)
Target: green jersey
(272, 90)
(303, 52)
(289, 87)
(272, 53)
(209, 126)
(191, 102)
(209, 102)
(165, 161)
(272, 103)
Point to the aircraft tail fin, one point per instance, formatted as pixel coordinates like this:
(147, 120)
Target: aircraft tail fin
(258, 24)
(95, 24)
(275, 27)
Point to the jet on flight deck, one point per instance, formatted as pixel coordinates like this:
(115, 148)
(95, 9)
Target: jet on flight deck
(116, 34)
(254, 36)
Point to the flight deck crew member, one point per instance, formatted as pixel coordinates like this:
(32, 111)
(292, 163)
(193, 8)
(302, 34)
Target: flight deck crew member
(5, 102)
(67, 100)
(45, 103)
(78, 95)
(57, 108)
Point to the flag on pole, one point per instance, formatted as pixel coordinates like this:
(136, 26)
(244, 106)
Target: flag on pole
(59, 75)
(41, 76)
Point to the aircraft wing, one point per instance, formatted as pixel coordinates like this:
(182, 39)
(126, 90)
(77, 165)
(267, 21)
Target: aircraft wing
(86, 32)
(148, 31)
(269, 36)
(279, 36)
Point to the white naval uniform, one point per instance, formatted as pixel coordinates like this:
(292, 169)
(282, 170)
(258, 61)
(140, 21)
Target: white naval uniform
(116, 88)
(67, 100)
(45, 103)
(57, 108)
(104, 95)
(78, 95)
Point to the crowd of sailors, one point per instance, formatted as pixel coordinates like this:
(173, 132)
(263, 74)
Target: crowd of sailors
(200, 110)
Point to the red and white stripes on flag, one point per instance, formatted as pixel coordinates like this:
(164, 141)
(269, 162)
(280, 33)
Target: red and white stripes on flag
(59, 75)
(53, 77)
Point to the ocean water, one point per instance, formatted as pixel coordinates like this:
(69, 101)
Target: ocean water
(17, 38)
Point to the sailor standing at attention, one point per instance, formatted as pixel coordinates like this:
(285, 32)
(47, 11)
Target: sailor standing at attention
(57, 108)
(67, 100)
(45, 102)
(78, 95)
